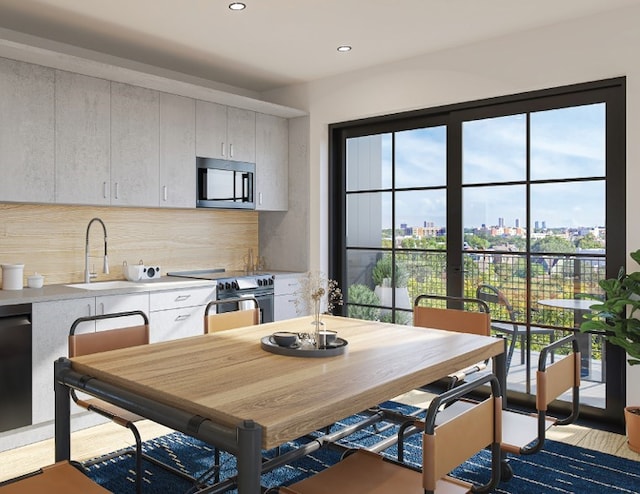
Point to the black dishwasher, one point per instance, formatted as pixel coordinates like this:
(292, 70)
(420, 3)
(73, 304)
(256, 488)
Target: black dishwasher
(15, 366)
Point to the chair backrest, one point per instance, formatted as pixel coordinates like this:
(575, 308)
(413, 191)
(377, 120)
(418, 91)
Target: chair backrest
(247, 313)
(108, 339)
(491, 295)
(560, 376)
(460, 320)
(451, 443)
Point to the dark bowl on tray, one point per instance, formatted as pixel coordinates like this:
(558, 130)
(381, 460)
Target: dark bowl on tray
(284, 338)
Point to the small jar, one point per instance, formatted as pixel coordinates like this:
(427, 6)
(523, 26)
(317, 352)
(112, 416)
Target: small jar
(35, 281)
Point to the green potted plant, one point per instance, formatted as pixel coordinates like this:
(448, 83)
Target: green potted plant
(618, 318)
(385, 282)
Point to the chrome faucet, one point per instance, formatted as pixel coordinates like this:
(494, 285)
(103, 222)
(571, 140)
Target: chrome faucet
(105, 267)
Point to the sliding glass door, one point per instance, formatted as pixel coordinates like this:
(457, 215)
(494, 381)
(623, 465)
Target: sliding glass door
(523, 195)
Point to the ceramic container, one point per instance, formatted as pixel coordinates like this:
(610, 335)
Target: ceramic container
(12, 276)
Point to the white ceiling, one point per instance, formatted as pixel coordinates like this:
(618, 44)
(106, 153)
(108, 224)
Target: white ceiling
(275, 43)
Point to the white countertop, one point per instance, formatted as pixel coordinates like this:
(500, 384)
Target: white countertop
(63, 292)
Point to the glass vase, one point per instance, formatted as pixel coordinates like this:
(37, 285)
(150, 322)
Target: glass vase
(318, 325)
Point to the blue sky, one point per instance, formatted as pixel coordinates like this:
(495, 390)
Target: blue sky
(565, 143)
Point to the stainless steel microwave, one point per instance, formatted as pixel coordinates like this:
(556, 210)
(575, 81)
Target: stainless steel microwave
(225, 184)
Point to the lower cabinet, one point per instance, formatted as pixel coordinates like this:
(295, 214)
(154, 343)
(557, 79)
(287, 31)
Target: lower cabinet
(51, 322)
(172, 314)
(286, 289)
(178, 313)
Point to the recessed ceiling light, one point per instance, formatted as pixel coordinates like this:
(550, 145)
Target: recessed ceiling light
(344, 48)
(237, 6)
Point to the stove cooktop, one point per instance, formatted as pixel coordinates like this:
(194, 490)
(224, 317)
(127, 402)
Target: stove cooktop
(230, 279)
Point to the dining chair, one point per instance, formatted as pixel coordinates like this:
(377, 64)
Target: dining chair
(496, 300)
(460, 314)
(63, 477)
(85, 340)
(525, 434)
(444, 447)
(246, 313)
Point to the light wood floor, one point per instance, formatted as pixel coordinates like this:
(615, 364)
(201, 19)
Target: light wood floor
(108, 437)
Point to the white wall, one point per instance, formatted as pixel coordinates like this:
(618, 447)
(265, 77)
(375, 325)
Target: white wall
(588, 49)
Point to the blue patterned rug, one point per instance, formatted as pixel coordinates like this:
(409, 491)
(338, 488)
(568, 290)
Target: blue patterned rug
(558, 468)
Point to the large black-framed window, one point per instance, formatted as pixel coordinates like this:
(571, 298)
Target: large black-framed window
(369, 185)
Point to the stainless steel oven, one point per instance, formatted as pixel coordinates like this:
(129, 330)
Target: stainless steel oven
(234, 284)
(258, 286)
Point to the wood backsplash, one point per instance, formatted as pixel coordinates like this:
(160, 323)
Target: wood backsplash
(51, 239)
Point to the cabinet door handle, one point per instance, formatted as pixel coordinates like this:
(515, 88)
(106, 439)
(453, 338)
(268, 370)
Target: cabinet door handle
(182, 298)
(164, 193)
(260, 198)
(89, 310)
(183, 317)
(222, 150)
(230, 150)
(104, 190)
(117, 190)
(102, 308)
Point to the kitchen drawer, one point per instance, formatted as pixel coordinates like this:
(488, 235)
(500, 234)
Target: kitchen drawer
(187, 297)
(172, 324)
(286, 284)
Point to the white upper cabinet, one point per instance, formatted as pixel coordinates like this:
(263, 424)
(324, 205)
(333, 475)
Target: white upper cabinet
(272, 163)
(134, 146)
(82, 131)
(225, 132)
(177, 151)
(26, 132)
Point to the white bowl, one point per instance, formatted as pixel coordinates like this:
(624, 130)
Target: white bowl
(35, 281)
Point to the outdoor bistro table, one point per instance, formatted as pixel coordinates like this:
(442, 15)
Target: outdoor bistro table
(580, 305)
(224, 389)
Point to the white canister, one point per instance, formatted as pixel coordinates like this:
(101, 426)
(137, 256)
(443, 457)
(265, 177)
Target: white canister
(12, 276)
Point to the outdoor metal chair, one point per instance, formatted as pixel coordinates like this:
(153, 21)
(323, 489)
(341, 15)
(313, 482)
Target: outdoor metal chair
(445, 446)
(495, 298)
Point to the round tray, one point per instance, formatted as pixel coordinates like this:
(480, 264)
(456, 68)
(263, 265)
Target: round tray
(337, 348)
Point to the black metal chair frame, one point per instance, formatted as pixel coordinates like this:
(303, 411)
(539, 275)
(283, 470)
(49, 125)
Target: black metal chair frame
(137, 451)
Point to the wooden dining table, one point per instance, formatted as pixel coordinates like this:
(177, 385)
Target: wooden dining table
(225, 389)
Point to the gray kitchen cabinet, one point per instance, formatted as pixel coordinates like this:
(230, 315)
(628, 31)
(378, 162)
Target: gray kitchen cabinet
(225, 132)
(135, 146)
(82, 134)
(241, 134)
(286, 290)
(211, 130)
(272, 163)
(177, 151)
(51, 322)
(178, 313)
(26, 132)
